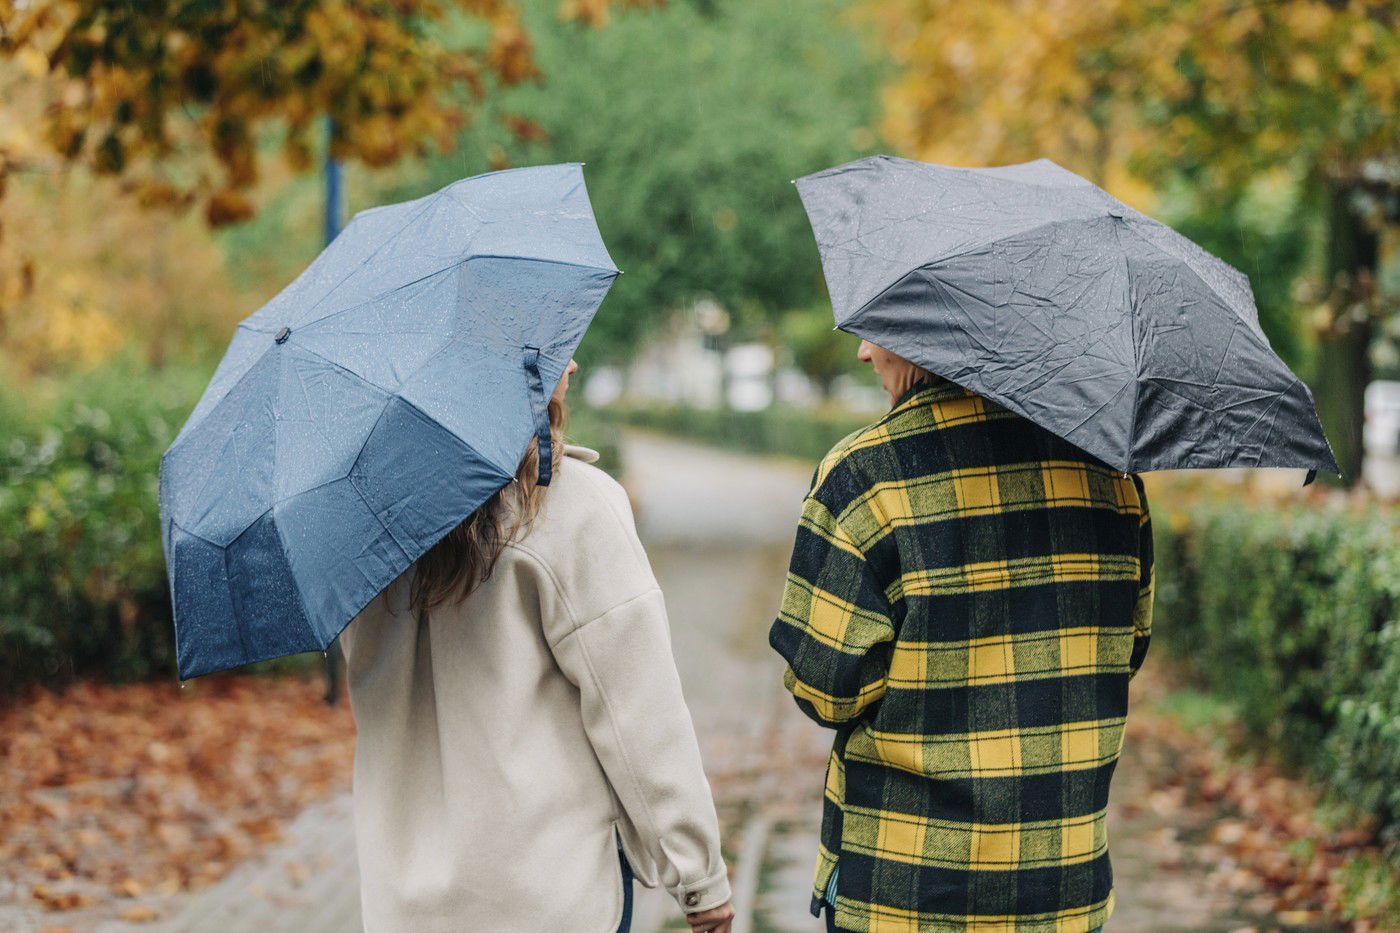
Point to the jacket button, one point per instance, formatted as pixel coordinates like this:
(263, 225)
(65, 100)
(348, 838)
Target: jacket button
(692, 898)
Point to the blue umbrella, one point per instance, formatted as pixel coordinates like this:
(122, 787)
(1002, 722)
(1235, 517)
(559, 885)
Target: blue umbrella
(371, 406)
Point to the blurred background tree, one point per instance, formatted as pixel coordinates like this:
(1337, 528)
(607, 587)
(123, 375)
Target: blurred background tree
(693, 121)
(1292, 104)
(179, 103)
(817, 348)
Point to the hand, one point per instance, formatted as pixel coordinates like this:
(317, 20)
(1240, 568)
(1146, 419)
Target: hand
(715, 920)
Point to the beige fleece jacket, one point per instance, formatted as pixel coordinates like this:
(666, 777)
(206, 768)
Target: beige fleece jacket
(506, 742)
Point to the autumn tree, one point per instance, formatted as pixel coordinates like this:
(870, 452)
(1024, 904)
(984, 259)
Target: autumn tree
(693, 122)
(1216, 93)
(109, 105)
(134, 85)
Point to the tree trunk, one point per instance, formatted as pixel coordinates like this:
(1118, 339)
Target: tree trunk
(1343, 360)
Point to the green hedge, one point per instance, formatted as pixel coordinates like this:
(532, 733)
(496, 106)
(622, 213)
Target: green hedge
(82, 578)
(83, 588)
(1294, 615)
(792, 432)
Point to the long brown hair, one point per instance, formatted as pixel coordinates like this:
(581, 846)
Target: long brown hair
(464, 559)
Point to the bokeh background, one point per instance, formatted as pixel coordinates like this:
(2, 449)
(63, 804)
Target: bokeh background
(167, 167)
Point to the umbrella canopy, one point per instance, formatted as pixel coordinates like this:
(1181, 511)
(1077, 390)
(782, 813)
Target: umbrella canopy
(1038, 290)
(371, 406)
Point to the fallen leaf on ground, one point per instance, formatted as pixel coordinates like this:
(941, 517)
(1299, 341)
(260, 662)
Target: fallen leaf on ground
(140, 913)
(114, 792)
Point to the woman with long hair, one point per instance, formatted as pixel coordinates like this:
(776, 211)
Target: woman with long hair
(523, 746)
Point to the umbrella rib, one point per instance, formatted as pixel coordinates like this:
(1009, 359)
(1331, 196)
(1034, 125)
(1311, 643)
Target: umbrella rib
(1085, 420)
(455, 264)
(1274, 420)
(1272, 409)
(429, 418)
(388, 397)
(929, 210)
(306, 401)
(296, 584)
(1226, 355)
(1208, 288)
(381, 295)
(1130, 311)
(427, 202)
(943, 259)
(382, 524)
(395, 395)
(237, 616)
(180, 437)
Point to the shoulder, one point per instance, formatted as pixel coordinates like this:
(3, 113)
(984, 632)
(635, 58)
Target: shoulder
(584, 541)
(582, 507)
(581, 492)
(853, 465)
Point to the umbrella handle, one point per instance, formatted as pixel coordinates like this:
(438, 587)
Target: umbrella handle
(539, 406)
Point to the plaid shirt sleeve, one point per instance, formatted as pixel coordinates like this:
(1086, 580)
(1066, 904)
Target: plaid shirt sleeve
(835, 628)
(1147, 577)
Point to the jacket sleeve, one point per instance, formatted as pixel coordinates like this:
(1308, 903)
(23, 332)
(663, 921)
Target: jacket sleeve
(615, 647)
(834, 628)
(1147, 577)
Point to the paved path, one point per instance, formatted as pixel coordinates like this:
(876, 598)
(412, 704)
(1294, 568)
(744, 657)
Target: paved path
(719, 528)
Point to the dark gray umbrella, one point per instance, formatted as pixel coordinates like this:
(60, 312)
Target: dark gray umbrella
(372, 405)
(1034, 288)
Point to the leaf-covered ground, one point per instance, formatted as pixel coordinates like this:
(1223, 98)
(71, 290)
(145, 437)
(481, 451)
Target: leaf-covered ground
(113, 799)
(110, 796)
(1209, 836)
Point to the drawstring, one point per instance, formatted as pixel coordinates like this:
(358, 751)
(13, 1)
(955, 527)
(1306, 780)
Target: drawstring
(539, 406)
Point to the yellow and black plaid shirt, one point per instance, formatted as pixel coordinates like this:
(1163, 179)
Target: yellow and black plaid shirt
(968, 597)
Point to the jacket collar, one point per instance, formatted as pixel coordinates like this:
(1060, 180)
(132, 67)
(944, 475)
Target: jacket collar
(584, 454)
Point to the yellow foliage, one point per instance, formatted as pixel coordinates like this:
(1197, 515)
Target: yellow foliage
(129, 85)
(109, 107)
(1123, 90)
(84, 269)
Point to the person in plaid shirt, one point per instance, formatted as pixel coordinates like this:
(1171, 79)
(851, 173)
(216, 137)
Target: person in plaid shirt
(968, 597)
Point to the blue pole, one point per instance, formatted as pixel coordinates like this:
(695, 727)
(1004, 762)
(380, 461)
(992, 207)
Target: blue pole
(335, 209)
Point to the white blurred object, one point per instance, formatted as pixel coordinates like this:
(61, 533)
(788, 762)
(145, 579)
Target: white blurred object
(710, 317)
(795, 389)
(860, 395)
(678, 368)
(604, 386)
(750, 369)
(1381, 438)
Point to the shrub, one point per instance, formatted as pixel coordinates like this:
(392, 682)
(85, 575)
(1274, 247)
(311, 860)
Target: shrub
(82, 577)
(83, 587)
(1294, 615)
